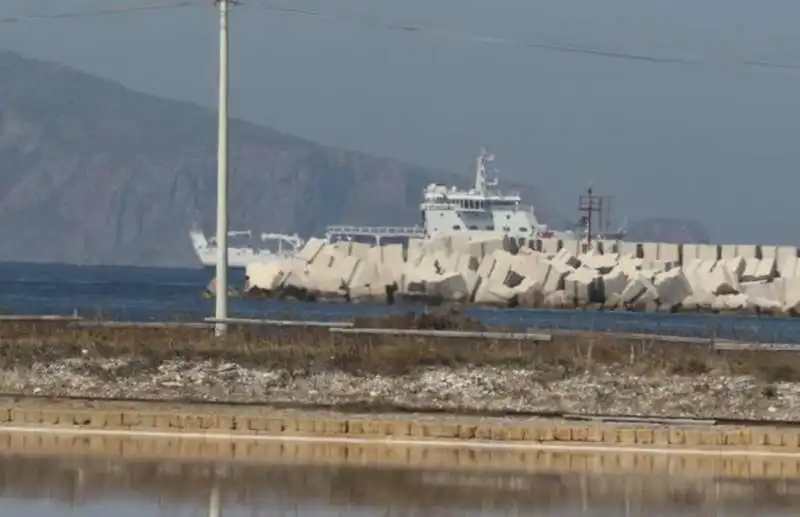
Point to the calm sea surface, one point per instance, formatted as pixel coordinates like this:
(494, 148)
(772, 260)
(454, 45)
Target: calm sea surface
(140, 294)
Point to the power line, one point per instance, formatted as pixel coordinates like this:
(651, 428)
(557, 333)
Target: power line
(419, 28)
(108, 11)
(544, 46)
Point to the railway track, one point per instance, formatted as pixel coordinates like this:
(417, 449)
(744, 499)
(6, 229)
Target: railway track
(10, 399)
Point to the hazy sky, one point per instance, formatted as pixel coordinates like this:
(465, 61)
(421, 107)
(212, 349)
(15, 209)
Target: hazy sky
(716, 141)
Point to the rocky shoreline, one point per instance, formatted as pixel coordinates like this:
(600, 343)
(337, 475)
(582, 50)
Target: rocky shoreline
(575, 373)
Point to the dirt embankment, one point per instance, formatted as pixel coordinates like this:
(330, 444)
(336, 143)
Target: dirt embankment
(573, 373)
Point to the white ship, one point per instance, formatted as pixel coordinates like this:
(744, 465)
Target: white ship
(483, 209)
(240, 254)
(447, 210)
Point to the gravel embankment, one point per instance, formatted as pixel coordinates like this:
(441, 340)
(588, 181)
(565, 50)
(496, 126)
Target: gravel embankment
(573, 373)
(604, 389)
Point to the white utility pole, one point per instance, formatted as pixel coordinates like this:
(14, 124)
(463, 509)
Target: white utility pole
(222, 172)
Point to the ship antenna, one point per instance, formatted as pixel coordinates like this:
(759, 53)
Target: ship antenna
(482, 182)
(480, 172)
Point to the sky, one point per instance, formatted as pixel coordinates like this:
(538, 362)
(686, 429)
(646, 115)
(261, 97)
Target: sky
(712, 139)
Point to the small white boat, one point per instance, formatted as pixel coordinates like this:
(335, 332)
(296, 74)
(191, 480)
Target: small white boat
(242, 250)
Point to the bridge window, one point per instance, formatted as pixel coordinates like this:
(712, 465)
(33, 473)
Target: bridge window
(506, 228)
(456, 227)
(490, 227)
(473, 227)
(523, 229)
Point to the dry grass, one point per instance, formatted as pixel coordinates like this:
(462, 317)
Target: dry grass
(22, 344)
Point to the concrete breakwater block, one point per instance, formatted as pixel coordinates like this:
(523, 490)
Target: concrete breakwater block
(493, 270)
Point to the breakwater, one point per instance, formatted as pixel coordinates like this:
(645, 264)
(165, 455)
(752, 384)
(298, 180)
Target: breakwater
(498, 271)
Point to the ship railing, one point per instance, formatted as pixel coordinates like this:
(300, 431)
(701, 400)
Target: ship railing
(410, 231)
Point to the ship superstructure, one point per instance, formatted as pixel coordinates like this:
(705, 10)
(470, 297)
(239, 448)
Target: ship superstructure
(483, 208)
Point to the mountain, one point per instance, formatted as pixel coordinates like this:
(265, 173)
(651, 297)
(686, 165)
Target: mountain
(668, 229)
(94, 173)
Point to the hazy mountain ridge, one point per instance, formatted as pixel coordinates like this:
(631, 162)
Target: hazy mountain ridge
(94, 173)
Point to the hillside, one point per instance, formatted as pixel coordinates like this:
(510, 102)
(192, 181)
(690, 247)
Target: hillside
(94, 173)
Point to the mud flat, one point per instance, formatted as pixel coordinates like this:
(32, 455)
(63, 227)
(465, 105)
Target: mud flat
(302, 368)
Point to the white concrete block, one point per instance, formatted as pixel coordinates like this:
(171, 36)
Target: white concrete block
(791, 294)
(747, 251)
(504, 262)
(339, 248)
(552, 277)
(628, 249)
(630, 265)
(450, 286)
(492, 293)
(769, 251)
(784, 252)
(329, 253)
(614, 283)
(650, 250)
(265, 275)
(759, 270)
(696, 273)
(727, 251)
(324, 281)
(344, 268)
(490, 245)
(567, 258)
(669, 252)
(391, 254)
(360, 249)
(765, 304)
(557, 300)
(787, 260)
(672, 287)
(639, 290)
(550, 245)
(731, 302)
(487, 266)
(366, 274)
(707, 251)
(602, 263)
(690, 252)
(720, 280)
(310, 250)
(750, 270)
(764, 290)
(582, 284)
(529, 293)
(415, 251)
(735, 265)
(698, 300)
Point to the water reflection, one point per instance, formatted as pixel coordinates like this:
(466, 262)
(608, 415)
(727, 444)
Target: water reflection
(57, 487)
